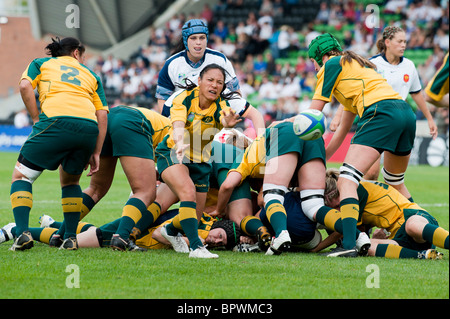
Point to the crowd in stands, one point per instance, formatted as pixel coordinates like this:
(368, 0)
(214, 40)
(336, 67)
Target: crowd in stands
(269, 54)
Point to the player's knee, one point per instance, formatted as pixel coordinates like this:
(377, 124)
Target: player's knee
(228, 185)
(26, 173)
(372, 174)
(274, 192)
(414, 227)
(98, 190)
(312, 201)
(187, 194)
(349, 172)
(393, 179)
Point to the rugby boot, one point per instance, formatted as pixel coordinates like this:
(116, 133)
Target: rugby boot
(133, 247)
(118, 243)
(279, 244)
(363, 244)
(69, 244)
(246, 248)
(430, 254)
(342, 252)
(264, 238)
(178, 244)
(55, 241)
(5, 232)
(202, 252)
(23, 242)
(45, 221)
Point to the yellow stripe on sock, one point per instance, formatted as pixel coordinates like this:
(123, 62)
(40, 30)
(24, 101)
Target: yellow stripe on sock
(176, 222)
(21, 198)
(46, 234)
(133, 212)
(350, 211)
(84, 211)
(155, 210)
(244, 222)
(274, 208)
(186, 213)
(393, 251)
(331, 218)
(71, 204)
(439, 237)
(80, 226)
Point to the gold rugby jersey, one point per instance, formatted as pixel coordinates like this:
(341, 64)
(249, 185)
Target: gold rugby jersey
(253, 161)
(200, 125)
(382, 206)
(66, 87)
(438, 85)
(354, 86)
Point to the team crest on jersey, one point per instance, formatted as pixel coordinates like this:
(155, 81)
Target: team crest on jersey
(207, 119)
(406, 78)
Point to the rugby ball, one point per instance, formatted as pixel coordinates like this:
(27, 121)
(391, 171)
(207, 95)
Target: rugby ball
(310, 124)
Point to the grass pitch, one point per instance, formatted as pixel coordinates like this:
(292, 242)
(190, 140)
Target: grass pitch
(44, 273)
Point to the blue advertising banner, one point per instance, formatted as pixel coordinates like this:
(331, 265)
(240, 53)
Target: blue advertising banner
(12, 138)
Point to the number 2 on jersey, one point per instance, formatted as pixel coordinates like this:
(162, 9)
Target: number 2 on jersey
(70, 76)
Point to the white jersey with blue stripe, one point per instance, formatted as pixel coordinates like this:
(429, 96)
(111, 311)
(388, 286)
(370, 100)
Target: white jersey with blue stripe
(403, 77)
(178, 68)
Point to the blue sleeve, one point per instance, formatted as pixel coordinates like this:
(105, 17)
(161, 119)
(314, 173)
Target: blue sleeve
(165, 86)
(165, 111)
(233, 84)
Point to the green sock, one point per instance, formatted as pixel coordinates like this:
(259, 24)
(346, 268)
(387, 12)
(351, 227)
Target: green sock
(82, 227)
(108, 230)
(133, 211)
(56, 225)
(435, 235)
(21, 196)
(349, 215)
(42, 234)
(172, 230)
(331, 219)
(276, 214)
(71, 200)
(395, 252)
(88, 204)
(61, 228)
(189, 223)
(250, 225)
(150, 215)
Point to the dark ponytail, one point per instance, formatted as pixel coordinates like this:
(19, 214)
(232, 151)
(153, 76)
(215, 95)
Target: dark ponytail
(64, 47)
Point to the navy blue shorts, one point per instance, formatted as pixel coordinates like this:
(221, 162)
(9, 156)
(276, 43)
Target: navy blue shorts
(301, 229)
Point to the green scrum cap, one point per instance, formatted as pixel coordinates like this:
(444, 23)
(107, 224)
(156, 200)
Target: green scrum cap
(322, 44)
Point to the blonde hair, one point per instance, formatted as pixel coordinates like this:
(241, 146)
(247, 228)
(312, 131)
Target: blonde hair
(331, 189)
(388, 34)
